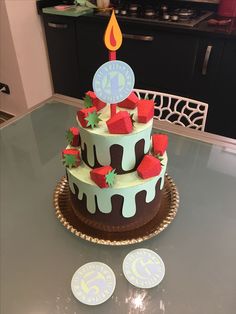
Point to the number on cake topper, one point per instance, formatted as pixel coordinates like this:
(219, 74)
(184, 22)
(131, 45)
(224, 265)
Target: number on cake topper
(113, 81)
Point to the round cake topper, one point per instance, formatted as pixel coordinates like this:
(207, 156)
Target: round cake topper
(93, 283)
(113, 81)
(143, 268)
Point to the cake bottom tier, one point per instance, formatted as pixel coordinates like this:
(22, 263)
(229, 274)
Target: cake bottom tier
(115, 221)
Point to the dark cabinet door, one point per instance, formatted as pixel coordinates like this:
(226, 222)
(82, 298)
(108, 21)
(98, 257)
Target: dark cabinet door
(206, 68)
(92, 52)
(206, 77)
(225, 93)
(161, 60)
(62, 49)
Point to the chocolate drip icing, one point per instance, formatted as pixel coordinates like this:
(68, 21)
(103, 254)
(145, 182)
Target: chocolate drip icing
(139, 152)
(84, 154)
(116, 153)
(114, 221)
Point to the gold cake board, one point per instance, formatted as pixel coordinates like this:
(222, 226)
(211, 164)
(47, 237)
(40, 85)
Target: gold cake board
(166, 214)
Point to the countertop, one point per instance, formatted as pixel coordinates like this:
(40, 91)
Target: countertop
(39, 256)
(202, 28)
(228, 31)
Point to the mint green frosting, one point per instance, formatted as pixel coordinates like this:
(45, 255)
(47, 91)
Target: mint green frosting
(126, 185)
(103, 140)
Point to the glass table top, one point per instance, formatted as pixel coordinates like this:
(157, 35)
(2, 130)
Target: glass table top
(39, 256)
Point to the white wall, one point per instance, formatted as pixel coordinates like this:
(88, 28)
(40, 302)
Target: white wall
(9, 69)
(24, 62)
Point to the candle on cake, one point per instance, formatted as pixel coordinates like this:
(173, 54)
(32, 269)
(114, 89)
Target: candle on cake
(113, 41)
(114, 80)
(113, 37)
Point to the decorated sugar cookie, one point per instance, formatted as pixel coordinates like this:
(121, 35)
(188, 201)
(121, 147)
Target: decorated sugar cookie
(143, 268)
(93, 283)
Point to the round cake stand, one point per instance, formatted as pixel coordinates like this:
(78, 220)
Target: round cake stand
(166, 214)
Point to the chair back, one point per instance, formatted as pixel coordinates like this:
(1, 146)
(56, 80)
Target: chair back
(176, 109)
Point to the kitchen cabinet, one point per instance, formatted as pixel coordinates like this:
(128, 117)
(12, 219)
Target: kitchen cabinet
(224, 101)
(206, 79)
(160, 60)
(186, 63)
(214, 82)
(206, 69)
(60, 34)
(91, 53)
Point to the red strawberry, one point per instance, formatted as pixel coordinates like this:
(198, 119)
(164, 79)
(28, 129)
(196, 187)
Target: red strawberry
(103, 176)
(71, 157)
(83, 113)
(130, 102)
(145, 110)
(159, 143)
(120, 123)
(72, 136)
(149, 167)
(96, 101)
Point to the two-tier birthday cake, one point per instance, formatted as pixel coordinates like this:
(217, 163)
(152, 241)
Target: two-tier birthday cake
(115, 168)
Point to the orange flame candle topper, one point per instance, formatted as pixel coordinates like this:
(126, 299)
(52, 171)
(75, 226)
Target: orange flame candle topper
(113, 36)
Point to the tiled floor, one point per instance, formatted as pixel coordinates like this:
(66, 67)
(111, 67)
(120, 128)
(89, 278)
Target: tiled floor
(4, 116)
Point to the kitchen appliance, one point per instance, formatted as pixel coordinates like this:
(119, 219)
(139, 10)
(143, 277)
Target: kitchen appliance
(227, 8)
(161, 13)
